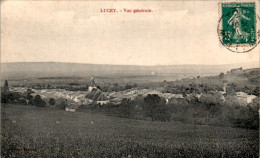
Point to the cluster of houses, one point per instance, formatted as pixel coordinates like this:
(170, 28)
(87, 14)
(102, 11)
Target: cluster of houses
(244, 97)
(73, 98)
(95, 95)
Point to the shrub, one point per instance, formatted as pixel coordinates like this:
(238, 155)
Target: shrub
(221, 75)
(61, 103)
(126, 108)
(22, 101)
(37, 101)
(240, 115)
(155, 107)
(212, 102)
(52, 101)
(10, 97)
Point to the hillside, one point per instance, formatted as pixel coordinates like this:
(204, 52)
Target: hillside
(241, 80)
(54, 69)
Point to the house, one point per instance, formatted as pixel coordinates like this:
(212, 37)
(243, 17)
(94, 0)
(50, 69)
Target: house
(173, 96)
(72, 107)
(97, 96)
(245, 97)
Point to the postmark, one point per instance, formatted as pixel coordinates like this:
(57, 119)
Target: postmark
(238, 26)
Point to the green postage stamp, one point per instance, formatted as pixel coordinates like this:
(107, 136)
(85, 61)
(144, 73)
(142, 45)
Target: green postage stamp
(238, 26)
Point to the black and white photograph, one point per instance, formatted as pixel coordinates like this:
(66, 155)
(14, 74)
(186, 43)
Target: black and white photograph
(130, 79)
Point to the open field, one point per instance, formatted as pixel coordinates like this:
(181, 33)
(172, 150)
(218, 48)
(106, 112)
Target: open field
(55, 133)
(65, 73)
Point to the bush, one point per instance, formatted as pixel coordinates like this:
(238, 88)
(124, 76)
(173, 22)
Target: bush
(61, 103)
(155, 107)
(240, 115)
(10, 97)
(22, 101)
(37, 101)
(126, 108)
(212, 102)
(52, 101)
(221, 75)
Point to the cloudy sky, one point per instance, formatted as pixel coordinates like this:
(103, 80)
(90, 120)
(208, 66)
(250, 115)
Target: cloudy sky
(75, 31)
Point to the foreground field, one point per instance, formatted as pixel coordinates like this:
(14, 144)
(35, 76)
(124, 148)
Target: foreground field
(46, 132)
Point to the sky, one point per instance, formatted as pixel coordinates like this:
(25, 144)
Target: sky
(178, 32)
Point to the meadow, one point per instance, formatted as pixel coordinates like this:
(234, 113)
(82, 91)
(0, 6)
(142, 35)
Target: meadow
(29, 131)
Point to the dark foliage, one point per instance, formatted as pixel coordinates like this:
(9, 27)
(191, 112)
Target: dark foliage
(221, 75)
(10, 97)
(22, 101)
(52, 101)
(155, 107)
(6, 87)
(61, 103)
(37, 101)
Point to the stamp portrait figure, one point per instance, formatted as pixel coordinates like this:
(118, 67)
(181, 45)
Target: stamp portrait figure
(235, 20)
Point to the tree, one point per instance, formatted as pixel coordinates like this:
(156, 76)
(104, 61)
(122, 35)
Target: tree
(6, 87)
(212, 102)
(221, 75)
(37, 101)
(128, 86)
(5, 98)
(231, 89)
(22, 101)
(127, 108)
(241, 115)
(155, 107)
(184, 94)
(29, 94)
(61, 103)
(10, 97)
(52, 101)
(256, 91)
(115, 87)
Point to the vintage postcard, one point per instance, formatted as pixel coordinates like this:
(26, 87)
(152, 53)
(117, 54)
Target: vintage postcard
(130, 79)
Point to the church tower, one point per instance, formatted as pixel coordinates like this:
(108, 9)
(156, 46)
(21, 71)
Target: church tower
(92, 84)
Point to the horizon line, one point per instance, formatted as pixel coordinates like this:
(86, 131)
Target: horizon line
(129, 64)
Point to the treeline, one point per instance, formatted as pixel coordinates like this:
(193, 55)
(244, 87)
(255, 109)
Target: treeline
(209, 109)
(249, 85)
(115, 87)
(22, 98)
(191, 88)
(199, 88)
(27, 98)
(150, 107)
(70, 87)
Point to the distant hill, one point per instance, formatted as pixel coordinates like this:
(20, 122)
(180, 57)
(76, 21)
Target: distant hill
(241, 78)
(48, 69)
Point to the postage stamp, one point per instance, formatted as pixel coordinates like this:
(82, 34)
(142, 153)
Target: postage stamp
(238, 28)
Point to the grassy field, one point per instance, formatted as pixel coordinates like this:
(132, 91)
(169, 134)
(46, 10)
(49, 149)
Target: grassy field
(56, 133)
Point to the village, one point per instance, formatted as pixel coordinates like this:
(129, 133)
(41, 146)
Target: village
(121, 79)
(74, 99)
